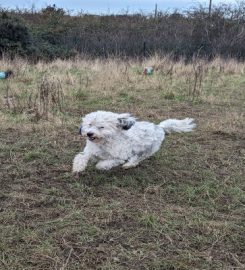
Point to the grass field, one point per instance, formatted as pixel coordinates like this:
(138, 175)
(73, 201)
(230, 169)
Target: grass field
(181, 209)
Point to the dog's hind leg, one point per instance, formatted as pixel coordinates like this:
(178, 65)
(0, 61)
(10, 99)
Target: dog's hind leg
(108, 164)
(133, 161)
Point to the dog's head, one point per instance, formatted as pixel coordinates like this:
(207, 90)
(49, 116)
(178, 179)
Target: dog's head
(101, 125)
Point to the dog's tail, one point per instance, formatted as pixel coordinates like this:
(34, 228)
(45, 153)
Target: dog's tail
(175, 125)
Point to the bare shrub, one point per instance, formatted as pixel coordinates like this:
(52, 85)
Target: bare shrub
(49, 98)
(41, 103)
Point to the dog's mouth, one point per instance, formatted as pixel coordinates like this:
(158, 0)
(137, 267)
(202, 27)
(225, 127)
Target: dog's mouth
(93, 139)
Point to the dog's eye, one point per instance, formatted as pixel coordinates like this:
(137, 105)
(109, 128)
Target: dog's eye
(101, 127)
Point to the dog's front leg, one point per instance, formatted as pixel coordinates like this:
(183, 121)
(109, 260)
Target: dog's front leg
(108, 164)
(80, 161)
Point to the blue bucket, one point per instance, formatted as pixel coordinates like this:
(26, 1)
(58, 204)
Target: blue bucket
(2, 75)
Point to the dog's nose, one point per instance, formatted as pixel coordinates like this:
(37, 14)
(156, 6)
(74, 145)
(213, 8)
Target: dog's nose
(90, 134)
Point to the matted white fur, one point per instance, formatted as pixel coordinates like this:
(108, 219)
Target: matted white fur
(118, 139)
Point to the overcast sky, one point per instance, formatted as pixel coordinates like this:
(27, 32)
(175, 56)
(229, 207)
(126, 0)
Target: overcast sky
(109, 6)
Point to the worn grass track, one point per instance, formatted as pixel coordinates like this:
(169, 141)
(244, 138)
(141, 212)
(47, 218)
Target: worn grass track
(181, 209)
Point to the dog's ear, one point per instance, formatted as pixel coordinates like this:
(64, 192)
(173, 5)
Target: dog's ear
(125, 121)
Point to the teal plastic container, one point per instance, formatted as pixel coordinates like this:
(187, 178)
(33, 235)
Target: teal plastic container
(148, 70)
(2, 75)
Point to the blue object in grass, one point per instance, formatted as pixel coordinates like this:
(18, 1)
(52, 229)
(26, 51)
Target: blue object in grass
(2, 75)
(148, 70)
(6, 74)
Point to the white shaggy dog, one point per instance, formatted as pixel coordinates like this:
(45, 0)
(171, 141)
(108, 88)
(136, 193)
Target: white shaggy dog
(118, 139)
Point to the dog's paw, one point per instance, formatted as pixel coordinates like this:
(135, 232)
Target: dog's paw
(102, 166)
(129, 165)
(78, 169)
(77, 175)
(78, 164)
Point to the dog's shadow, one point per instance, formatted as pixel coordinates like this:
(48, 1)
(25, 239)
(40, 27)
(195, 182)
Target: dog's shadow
(132, 177)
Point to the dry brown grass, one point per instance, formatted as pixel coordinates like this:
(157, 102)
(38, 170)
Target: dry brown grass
(114, 79)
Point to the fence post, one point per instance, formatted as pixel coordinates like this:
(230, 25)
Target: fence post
(210, 8)
(155, 11)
